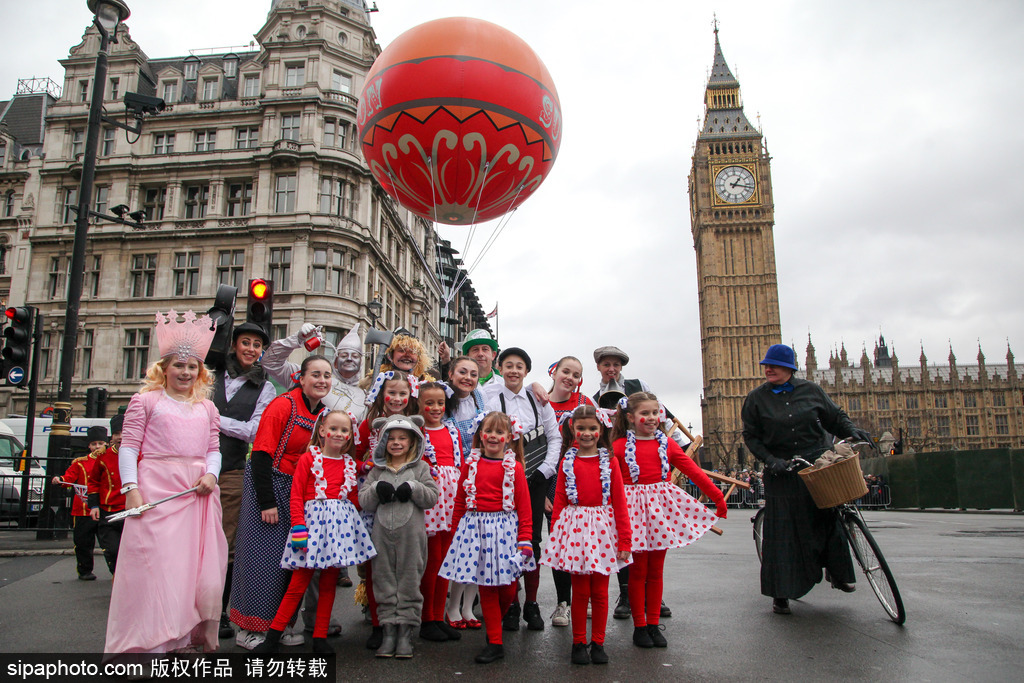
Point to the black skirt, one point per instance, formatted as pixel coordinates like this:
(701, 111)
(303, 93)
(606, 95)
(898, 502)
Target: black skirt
(799, 540)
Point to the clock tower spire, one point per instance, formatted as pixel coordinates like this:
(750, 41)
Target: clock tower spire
(732, 219)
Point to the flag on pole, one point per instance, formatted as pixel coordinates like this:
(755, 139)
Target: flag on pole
(494, 312)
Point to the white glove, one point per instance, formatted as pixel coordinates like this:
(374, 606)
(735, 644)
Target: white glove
(307, 329)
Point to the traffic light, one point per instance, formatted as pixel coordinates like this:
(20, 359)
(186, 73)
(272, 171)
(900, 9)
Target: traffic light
(18, 349)
(222, 313)
(259, 307)
(96, 402)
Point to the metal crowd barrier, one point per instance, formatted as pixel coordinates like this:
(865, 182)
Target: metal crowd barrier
(878, 496)
(11, 486)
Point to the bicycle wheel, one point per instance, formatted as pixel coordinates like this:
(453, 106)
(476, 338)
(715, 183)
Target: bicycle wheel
(873, 563)
(758, 520)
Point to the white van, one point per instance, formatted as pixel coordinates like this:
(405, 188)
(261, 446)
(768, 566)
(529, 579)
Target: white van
(11, 476)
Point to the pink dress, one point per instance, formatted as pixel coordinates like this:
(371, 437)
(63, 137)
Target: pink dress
(170, 570)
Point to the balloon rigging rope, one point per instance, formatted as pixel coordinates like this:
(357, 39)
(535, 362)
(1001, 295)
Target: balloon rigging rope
(502, 224)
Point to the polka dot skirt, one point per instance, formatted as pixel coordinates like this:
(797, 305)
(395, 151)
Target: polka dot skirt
(583, 541)
(483, 550)
(439, 517)
(664, 516)
(337, 537)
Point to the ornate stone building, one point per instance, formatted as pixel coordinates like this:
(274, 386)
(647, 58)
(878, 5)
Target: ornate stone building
(253, 170)
(935, 407)
(732, 217)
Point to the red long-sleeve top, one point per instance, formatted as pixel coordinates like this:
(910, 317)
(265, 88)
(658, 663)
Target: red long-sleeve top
(588, 493)
(303, 483)
(650, 467)
(489, 476)
(364, 441)
(105, 482)
(444, 449)
(78, 473)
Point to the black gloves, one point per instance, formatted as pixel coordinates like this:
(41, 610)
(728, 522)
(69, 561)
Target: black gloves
(861, 435)
(777, 465)
(537, 477)
(385, 491)
(404, 492)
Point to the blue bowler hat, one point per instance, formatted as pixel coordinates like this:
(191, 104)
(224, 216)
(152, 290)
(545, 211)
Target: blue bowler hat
(781, 355)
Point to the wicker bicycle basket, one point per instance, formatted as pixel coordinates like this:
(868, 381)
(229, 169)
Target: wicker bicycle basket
(835, 484)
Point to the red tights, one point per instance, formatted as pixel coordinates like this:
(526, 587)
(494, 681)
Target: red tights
(494, 600)
(531, 581)
(434, 588)
(369, 594)
(592, 588)
(293, 597)
(646, 584)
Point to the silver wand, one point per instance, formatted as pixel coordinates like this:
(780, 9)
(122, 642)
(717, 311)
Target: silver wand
(135, 512)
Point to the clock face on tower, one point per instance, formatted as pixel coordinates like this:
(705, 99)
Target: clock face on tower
(734, 184)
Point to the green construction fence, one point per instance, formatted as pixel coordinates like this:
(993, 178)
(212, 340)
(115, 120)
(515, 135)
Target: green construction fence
(990, 479)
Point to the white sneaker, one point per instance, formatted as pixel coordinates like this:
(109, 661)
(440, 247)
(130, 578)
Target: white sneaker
(293, 636)
(560, 617)
(249, 639)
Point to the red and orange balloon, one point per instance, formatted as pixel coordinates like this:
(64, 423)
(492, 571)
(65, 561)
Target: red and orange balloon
(459, 120)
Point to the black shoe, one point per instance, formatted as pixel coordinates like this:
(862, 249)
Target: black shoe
(622, 606)
(781, 606)
(429, 630)
(270, 644)
(580, 654)
(376, 638)
(642, 637)
(322, 647)
(656, 638)
(491, 652)
(531, 615)
(510, 622)
(449, 632)
(845, 587)
(88, 576)
(666, 611)
(597, 654)
(225, 630)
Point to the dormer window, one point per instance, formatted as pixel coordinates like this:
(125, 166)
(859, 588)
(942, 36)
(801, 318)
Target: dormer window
(191, 69)
(170, 92)
(251, 85)
(210, 88)
(230, 67)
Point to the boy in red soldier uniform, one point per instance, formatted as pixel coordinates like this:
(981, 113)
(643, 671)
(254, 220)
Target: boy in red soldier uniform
(77, 476)
(105, 497)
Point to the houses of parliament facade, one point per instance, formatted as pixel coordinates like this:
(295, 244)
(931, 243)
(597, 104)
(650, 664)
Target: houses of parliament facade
(732, 217)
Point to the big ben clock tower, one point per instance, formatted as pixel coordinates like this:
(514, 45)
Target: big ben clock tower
(732, 217)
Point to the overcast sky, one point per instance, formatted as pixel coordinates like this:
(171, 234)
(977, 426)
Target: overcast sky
(896, 144)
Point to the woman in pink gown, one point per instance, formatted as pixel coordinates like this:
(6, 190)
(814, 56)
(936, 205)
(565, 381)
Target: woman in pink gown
(170, 573)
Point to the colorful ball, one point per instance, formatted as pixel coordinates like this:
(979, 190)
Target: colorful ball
(459, 120)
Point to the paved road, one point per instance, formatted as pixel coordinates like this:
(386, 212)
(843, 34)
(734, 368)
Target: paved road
(960, 574)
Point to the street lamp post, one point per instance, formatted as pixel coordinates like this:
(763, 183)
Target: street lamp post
(108, 14)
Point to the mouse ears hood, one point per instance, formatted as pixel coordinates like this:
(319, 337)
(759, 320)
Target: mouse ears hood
(383, 425)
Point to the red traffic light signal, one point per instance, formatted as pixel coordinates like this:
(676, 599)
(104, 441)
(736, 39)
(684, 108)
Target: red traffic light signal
(258, 289)
(259, 307)
(17, 351)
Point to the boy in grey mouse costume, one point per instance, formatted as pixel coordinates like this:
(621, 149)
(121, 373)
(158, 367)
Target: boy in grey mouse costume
(398, 489)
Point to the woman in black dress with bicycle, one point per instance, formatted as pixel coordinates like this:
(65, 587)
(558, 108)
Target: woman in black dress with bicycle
(784, 418)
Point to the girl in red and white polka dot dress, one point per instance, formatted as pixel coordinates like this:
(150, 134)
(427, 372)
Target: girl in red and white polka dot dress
(662, 515)
(444, 453)
(590, 526)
